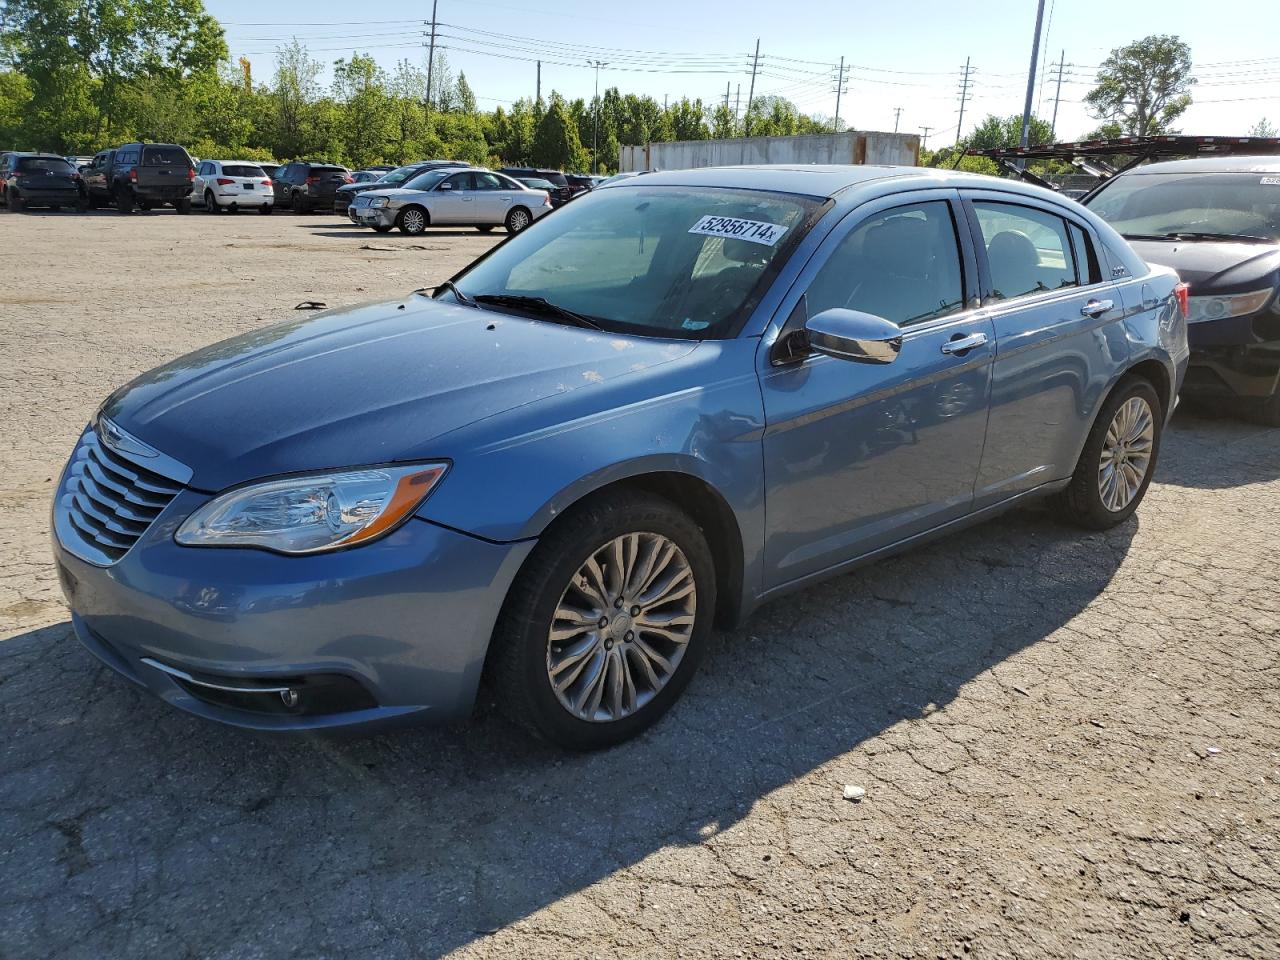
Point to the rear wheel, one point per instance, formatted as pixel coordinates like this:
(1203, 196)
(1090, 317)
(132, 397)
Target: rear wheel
(1118, 459)
(517, 219)
(182, 206)
(412, 220)
(488, 228)
(15, 202)
(211, 204)
(55, 207)
(1267, 412)
(145, 204)
(124, 200)
(265, 209)
(295, 202)
(606, 622)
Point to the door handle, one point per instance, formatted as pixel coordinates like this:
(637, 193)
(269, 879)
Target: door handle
(1096, 308)
(964, 344)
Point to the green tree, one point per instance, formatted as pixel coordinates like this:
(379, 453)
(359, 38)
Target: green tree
(996, 132)
(555, 142)
(368, 116)
(1262, 129)
(295, 89)
(408, 90)
(464, 97)
(687, 120)
(1144, 86)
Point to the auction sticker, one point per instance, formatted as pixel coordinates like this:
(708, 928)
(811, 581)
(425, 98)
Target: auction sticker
(734, 228)
(1273, 181)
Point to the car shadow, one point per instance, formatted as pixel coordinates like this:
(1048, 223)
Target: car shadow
(1203, 435)
(394, 236)
(198, 834)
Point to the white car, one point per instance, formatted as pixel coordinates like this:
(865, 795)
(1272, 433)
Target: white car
(231, 185)
(451, 197)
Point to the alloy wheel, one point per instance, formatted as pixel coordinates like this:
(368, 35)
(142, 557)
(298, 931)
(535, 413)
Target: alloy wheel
(621, 628)
(518, 221)
(1126, 454)
(413, 221)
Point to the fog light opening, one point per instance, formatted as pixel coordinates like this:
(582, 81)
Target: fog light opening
(289, 698)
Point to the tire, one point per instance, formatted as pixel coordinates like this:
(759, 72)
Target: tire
(486, 229)
(413, 221)
(124, 201)
(1083, 502)
(518, 218)
(266, 209)
(520, 664)
(210, 204)
(182, 206)
(83, 205)
(296, 204)
(15, 203)
(381, 228)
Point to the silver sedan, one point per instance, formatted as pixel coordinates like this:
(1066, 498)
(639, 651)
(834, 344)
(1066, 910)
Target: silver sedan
(451, 197)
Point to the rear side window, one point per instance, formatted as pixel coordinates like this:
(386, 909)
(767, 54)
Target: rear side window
(327, 171)
(1028, 250)
(44, 164)
(556, 178)
(165, 157)
(241, 170)
(127, 157)
(902, 265)
(489, 181)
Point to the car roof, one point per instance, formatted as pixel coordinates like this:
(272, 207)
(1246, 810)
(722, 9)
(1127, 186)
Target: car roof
(817, 180)
(247, 163)
(1231, 164)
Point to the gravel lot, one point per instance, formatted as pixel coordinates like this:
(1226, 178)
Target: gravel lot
(1069, 742)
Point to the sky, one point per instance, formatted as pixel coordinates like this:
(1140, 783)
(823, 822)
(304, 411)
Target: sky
(909, 54)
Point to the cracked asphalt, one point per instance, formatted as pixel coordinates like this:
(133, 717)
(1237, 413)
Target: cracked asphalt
(1069, 742)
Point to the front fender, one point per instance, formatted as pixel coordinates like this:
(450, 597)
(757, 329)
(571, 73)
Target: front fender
(701, 416)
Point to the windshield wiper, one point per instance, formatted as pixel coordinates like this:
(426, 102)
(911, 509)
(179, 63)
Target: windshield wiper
(453, 288)
(539, 305)
(1229, 237)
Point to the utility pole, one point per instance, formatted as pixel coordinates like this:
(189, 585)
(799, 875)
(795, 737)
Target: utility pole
(925, 145)
(538, 88)
(835, 124)
(1062, 66)
(897, 113)
(1031, 81)
(964, 96)
(737, 103)
(431, 54)
(751, 91)
(595, 130)
(727, 85)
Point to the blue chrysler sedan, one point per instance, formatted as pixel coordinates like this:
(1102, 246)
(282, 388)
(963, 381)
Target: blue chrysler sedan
(681, 396)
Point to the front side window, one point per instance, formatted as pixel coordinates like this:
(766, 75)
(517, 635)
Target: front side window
(660, 261)
(1027, 250)
(460, 181)
(1141, 205)
(902, 265)
(426, 181)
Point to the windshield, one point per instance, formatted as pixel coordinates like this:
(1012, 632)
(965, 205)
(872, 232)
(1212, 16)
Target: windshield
(398, 175)
(663, 261)
(425, 181)
(1154, 204)
(243, 170)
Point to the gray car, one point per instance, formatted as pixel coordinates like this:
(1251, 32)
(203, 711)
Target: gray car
(451, 198)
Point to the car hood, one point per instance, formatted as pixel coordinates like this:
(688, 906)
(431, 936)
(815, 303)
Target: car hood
(399, 193)
(356, 187)
(1211, 266)
(370, 384)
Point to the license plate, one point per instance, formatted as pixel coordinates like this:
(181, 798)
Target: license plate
(248, 186)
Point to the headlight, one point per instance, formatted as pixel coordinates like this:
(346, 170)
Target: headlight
(322, 511)
(379, 202)
(1219, 308)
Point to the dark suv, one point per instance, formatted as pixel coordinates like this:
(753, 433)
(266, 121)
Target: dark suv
(40, 179)
(308, 184)
(145, 175)
(346, 194)
(562, 193)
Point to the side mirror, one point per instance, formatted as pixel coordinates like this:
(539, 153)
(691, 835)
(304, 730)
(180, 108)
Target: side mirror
(446, 185)
(854, 335)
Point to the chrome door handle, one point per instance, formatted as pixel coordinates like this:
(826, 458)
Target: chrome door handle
(964, 344)
(1096, 308)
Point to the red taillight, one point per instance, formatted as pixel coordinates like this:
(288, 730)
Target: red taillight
(191, 174)
(133, 174)
(266, 183)
(546, 199)
(312, 181)
(225, 182)
(1183, 292)
(349, 179)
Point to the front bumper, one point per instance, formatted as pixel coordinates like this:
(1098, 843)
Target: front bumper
(408, 618)
(372, 216)
(1230, 372)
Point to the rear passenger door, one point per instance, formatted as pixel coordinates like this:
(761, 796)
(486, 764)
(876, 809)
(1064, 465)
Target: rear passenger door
(493, 199)
(1058, 339)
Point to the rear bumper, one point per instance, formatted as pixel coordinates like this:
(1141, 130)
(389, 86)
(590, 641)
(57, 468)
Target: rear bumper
(163, 194)
(245, 198)
(44, 198)
(405, 622)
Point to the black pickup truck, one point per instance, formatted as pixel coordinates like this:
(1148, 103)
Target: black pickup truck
(144, 175)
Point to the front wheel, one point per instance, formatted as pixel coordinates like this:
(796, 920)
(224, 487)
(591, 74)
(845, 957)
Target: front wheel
(488, 228)
(412, 220)
(381, 228)
(1118, 459)
(15, 203)
(295, 204)
(606, 623)
(517, 219)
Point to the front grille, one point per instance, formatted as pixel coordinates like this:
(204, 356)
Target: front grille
(110, 500)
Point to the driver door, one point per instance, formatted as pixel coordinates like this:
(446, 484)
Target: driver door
(453, 201)
(857, 455)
